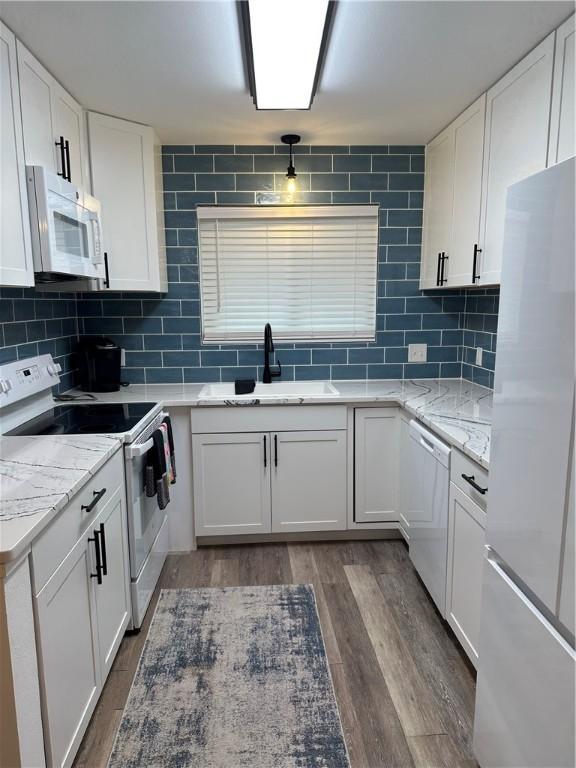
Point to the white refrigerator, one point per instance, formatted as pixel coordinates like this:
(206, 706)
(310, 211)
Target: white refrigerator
(525, 714)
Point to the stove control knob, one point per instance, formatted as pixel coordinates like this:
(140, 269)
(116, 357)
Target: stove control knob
(5, 386)
(54, 369)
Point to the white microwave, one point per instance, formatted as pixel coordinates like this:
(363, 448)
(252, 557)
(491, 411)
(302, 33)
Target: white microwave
(66, 228)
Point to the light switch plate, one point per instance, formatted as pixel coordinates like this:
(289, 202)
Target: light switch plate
(123, 357)
(417, 353)
(479, 356)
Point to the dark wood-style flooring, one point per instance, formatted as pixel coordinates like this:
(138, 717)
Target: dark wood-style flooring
(404, 688)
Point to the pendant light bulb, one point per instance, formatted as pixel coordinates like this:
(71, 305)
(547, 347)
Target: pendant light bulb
(290, 139)
(291, 184)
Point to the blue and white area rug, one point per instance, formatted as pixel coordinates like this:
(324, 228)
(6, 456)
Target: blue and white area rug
(233, 678)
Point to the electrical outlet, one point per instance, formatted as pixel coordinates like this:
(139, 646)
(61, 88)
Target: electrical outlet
(123, 357)
(417, 353)
(479, 356)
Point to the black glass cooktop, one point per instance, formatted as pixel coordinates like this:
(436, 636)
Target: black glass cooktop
(85, 419)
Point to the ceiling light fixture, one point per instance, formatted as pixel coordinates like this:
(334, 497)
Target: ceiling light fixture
(291, 139)
(280, 77)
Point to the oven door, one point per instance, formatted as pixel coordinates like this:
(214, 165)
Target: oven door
(66, 227)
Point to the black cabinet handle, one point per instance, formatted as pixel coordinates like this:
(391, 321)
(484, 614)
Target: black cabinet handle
(443, 259)
(475, 263)
(474, 484)
(275, 450)
(67, 155)
(97, 496)
(106, 271)
(103, 549)
(438, 269)
(98, 574)
(265, 454)
(61, 144)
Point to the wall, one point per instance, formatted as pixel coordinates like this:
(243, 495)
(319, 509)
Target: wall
(161, 335)
(479, 322)
(34, 323)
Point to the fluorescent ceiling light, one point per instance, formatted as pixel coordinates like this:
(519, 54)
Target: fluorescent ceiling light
(286, 43)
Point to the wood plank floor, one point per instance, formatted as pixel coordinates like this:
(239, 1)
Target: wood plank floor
(404, 687)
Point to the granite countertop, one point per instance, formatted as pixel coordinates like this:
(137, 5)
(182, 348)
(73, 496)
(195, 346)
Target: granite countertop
(38, 476)
(458, 411)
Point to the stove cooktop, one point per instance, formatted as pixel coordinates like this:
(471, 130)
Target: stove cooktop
(85, 419)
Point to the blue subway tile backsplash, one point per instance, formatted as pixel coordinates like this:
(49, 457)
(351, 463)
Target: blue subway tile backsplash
(161, 334)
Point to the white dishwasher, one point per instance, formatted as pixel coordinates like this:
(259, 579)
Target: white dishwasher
(426, 509)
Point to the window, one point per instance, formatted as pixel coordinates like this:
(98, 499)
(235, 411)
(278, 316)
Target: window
(309, 271)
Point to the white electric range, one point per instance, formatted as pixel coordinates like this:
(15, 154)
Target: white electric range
(27, 407)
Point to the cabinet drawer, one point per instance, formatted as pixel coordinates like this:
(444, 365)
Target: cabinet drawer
(462, 465)
(54, 544)
(268, 418)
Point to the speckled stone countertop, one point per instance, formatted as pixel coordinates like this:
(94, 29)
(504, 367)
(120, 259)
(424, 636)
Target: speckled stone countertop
(458, 411)
(38, 476)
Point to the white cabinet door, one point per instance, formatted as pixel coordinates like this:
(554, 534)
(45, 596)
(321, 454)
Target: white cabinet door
(309, 481)
(515, 144)
(68, 122)
(126, 178)
(465, 235)
(466, 522)
(35, 93)
(231, 483)
(438, 196)
(525, 686)
(376, 464)
(16, 266)
(66, 633)
(405, 473)
(113, 594)
(562, 141)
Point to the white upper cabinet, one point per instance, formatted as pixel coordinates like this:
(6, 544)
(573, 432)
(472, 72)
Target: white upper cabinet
(462, 265)
(126, 168)
(562, 140)
(453, 186)
(515, 144)
(438, 193)
(53, 123)
(16, 266)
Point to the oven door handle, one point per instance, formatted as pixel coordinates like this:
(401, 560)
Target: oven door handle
(136, 450)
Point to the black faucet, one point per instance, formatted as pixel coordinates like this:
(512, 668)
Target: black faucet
(268, 375)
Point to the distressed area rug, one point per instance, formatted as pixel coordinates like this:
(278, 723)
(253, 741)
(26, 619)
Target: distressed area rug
(231, 678)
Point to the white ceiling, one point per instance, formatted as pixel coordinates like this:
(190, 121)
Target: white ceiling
(396, 71)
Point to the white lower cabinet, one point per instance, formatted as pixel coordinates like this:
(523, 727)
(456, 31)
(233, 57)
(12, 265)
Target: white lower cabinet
(113, 595)
(309, 481)
(376, 464)
(269, 481)
(68, 650)
(231, 483)
(466, 522)
(80, 620)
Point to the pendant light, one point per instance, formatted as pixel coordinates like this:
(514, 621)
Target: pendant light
(291, 139)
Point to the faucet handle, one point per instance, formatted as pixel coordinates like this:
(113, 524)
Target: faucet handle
(278, 373)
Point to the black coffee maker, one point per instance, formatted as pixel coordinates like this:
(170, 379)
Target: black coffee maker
(98, 364)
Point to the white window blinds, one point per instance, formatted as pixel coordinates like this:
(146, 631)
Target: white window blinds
(310, 271)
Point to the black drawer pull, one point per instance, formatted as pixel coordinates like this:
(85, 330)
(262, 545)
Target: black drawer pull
(103, 549)
(98, 574)
(265, 453)
(275, 450)
(97, 496)
(474, 484)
